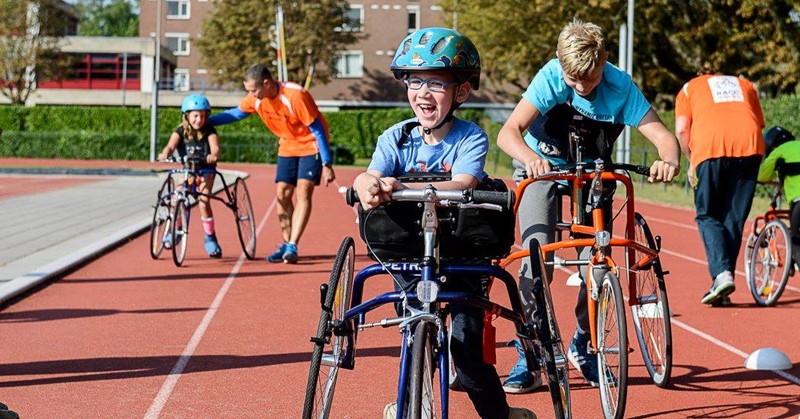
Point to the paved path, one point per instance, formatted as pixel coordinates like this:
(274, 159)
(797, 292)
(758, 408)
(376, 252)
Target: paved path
(54, 219)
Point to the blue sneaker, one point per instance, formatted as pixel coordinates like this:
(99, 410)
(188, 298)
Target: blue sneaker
(290, 254)
(277, 257)
(520, 380)
(168, 240)
(581, 359)
(212, 247)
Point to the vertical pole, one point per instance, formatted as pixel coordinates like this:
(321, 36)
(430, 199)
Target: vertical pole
(455, 15)
(629, 69)
(156, 80)
(278, 46)
(281, 35)
(623, 51)
(124, 76)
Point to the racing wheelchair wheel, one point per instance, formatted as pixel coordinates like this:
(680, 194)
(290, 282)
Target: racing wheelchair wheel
(329, 347)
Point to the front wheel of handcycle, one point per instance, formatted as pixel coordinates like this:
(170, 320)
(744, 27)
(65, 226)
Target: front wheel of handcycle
(612, 347)
(770, 263)
(245, 221)
(329, 347)
(180, 231)
(556, 367)
(421, 385)
(162, 215)
(651, 313)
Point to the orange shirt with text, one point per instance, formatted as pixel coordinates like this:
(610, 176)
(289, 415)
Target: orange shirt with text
(725, 117)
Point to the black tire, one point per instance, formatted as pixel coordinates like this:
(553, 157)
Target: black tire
(180, 231)
(748, 255)
(421, 385)
(651, 316)
(328, 348)
(162, 215)
(770, 264)
(612, 347)
(556, 367)
(245, 220)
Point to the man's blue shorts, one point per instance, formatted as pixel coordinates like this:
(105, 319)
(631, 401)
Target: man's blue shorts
(292, 168)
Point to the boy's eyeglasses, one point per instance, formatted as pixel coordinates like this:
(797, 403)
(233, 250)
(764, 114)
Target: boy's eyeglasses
(434, 85)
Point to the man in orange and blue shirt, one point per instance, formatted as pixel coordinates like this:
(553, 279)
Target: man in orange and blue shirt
(304, 154)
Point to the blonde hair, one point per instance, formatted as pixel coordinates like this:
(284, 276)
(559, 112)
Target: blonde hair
(581, 49)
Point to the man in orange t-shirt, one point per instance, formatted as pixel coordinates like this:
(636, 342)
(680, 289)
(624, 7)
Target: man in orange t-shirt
(304, 155)
(718, 121)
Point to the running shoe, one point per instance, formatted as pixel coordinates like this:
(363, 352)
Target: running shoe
(277, 257)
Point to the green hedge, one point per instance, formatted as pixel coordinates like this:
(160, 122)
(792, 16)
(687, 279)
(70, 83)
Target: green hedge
(123, 133)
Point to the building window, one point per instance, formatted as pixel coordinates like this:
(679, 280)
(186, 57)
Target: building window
(181, 82)
(349, 64)
(177, 9)
(353, 19)
(413, 18)
(178, 43)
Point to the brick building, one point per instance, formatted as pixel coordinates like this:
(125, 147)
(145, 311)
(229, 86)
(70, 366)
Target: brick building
(363, 77)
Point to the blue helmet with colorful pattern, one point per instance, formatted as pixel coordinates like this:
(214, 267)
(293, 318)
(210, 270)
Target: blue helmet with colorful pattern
(195, 102)
(438, 49)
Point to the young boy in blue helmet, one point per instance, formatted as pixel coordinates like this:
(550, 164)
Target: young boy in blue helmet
(197, 139)
(439, 68)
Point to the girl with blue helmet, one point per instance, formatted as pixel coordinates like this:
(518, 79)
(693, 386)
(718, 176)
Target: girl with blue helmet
(196, 140)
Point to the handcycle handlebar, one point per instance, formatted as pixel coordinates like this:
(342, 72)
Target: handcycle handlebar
(462, 198)
(569, 168)
(607, 166)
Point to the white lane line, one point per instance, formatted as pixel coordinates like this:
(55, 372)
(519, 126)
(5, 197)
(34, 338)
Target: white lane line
(728, 347)
(172, 379)
(693, 259)
(697, 332)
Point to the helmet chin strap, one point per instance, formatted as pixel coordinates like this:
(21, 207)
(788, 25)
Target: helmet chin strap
(447, 118)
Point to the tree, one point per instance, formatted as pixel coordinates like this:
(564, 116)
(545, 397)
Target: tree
(29, 46)
(241, 32)
(108, 18)
(759, 39)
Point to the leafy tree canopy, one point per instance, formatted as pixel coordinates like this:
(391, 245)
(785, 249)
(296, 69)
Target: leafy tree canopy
(242, 32)
(108, 18)
(759, 39)
(29, 37)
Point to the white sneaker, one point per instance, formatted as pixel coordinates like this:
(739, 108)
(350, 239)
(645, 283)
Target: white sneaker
(723, 286)
(390, 411)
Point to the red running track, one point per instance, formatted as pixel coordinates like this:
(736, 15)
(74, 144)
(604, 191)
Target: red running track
(126, 336)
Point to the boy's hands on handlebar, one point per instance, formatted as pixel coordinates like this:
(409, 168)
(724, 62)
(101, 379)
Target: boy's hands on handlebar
(374, 191)
(537, 167)
(662, 171)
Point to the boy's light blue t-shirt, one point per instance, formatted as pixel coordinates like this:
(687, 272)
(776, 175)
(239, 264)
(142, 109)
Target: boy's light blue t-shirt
(616, 100)
(462, 151)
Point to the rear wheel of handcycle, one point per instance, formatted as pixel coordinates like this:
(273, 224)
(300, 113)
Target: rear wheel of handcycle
(328, 347)
(421, 385)
(651, 316)
(770, 264)
(556, 366)
(245, 221)
(180, 231)
(162, 213)
(612, 347)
